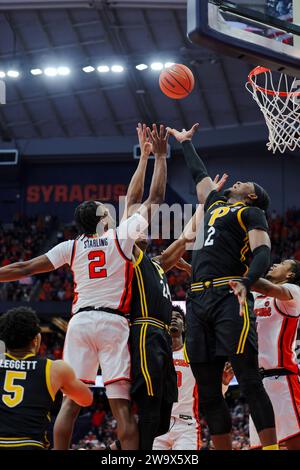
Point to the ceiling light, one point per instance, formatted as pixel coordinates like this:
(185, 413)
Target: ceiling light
(169, 64)
(103, 68)
(157, 66)
(2, 74)
(117, 68)
(13, 73)
(63, 71)
(36, 72)
(141, 67)
(50, 72)
(88, 69)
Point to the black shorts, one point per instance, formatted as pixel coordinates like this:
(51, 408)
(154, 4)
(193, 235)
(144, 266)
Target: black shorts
(152, 367)
(214, 326)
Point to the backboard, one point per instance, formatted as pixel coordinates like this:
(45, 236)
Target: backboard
(262, 32)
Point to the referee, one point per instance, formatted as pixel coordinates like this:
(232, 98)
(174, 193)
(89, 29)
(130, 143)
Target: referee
(234, 226)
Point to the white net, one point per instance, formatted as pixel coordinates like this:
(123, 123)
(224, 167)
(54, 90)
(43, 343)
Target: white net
(278, 98)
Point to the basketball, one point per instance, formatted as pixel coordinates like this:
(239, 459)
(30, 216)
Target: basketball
(177, 81)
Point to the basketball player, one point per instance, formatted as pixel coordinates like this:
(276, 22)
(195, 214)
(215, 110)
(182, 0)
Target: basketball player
(154, 379)
(98, 332)
(154, 387)
(184, 432)
(277, 309)
(28, 383)
(234, 226)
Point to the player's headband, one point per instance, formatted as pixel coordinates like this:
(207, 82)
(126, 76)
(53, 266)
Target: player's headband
(263, 199)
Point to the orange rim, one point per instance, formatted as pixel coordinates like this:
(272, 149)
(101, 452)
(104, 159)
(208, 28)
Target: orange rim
(260, 70)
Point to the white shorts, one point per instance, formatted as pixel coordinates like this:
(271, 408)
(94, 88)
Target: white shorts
(284, 393)
(183, 435)
(99, 338)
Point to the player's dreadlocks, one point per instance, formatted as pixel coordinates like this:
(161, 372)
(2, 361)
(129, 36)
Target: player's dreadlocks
(86, 217)
(296, 271)
(18, 327)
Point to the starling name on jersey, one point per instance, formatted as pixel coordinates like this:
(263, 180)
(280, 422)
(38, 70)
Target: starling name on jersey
(17, 365)
(95, 242)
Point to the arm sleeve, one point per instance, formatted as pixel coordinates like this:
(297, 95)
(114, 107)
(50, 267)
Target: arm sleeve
(213, 197)
(129, 231)
(61, 254)
(254, 218)
(194, 162)
(259, 266)
(290, 307)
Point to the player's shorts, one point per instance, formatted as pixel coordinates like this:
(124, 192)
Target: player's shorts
(284, 393)
(153, 370)
(182, 435)
(214, 326)
(97, 338)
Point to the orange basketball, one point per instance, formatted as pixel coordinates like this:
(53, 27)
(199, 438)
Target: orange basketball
(177, 81)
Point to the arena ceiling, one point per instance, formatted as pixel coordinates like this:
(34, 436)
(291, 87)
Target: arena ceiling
(97, 112)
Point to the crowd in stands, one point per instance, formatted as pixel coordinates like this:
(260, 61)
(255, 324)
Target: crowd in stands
(26, 237)
(22, 240)
(103, 428)
(285, 236)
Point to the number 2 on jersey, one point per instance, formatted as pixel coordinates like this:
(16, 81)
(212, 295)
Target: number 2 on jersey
(209, 241)
(98, 260)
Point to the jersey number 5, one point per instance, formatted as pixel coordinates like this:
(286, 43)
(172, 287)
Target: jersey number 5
(16, 392)
(98, 260)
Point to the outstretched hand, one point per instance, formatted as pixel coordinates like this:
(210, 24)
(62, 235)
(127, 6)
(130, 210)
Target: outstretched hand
(158, 140)
(144, 143)
(183, 135)
(219, 184)
(241, 292)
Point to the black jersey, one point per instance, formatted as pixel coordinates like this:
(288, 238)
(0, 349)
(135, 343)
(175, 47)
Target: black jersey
(26, 399)
(150, 291)
(225, 250)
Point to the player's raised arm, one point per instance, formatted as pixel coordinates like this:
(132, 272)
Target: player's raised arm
(15, 271)
(204, 184)
(136, 187)
(171, 256)
(159, 141)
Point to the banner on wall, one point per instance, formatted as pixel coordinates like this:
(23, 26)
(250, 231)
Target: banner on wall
(62, 193)
(57, 189)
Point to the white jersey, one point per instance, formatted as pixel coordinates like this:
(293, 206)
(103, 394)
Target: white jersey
(277, 324)
(187, 405)
(101, 265)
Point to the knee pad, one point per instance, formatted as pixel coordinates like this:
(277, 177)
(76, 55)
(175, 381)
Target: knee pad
(251, 384)
(260, 405)
(217, 414)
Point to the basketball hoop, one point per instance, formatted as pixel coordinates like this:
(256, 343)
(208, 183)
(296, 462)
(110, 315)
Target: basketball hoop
(279, 100)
